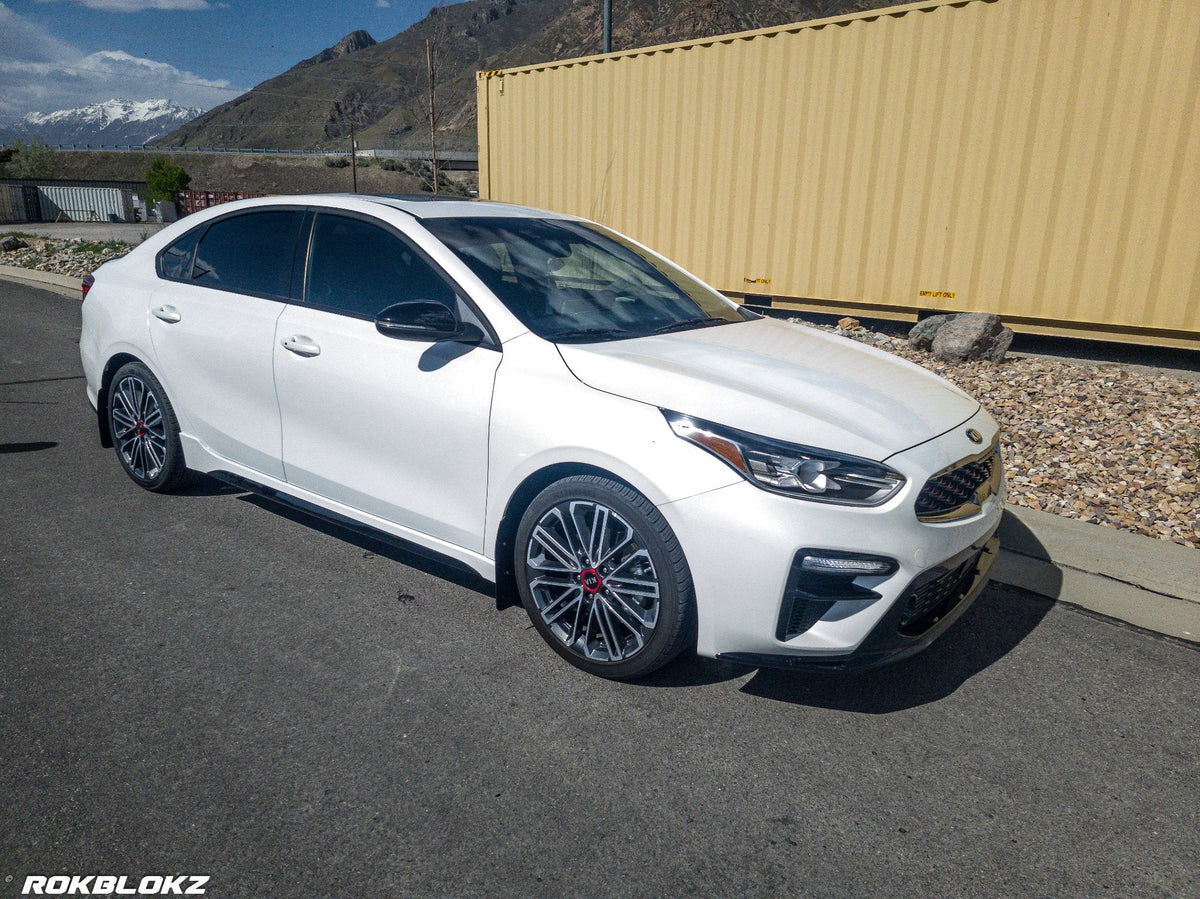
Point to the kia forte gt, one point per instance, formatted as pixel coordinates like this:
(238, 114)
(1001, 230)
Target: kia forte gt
(651, 467)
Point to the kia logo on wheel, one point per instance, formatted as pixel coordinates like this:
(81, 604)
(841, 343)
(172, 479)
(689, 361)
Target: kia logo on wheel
(591, 580)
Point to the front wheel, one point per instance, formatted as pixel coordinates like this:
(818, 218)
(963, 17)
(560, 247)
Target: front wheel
(144, 430)
(603, 577)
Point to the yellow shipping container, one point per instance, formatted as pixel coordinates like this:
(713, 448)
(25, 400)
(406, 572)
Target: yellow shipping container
(1035, 158)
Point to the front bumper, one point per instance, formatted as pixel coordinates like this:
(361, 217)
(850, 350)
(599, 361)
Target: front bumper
(957, 583)
(742, 545)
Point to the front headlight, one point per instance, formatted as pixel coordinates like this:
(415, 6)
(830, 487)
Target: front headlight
(791, 469)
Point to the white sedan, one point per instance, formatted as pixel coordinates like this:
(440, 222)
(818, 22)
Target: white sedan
(651, 467)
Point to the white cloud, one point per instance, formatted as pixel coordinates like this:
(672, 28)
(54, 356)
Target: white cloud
(140, 5)
(21, 40)
(383, 4)
(39, 72)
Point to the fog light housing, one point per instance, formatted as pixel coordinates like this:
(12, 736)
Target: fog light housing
(819, 579)
(824, 562)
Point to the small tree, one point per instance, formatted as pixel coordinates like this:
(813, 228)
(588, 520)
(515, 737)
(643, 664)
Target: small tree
(29, 160)
(164, 181)
(438, 30)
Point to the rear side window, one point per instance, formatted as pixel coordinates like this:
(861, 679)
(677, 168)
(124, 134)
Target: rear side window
(175, 262)
(359, 269)
(251, 253)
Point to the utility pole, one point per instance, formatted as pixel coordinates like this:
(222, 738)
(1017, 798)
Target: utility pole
(607, 19)
(353, 157)
(432, 114)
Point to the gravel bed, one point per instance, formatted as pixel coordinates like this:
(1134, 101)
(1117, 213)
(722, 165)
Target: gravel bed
(67, 256)
(1110, 444)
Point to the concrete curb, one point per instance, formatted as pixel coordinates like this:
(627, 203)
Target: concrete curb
(61, 284)
(1151, 584)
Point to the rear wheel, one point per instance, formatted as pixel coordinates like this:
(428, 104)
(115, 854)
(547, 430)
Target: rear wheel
(603, 577)
(144, 430)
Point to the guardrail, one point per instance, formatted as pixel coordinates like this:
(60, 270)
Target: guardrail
(375, 153)
(154, 148)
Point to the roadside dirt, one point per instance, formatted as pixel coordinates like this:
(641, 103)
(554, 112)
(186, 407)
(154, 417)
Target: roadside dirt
(243, 172)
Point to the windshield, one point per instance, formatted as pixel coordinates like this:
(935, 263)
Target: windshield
(576, 282)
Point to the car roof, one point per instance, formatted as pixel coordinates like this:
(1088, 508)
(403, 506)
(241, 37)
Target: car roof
(422, 206)
(419, 206)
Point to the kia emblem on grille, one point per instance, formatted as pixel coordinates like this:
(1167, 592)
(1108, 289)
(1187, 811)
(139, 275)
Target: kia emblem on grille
(974, 436)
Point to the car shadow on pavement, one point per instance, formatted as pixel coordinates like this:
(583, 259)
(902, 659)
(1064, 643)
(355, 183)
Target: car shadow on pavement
(31, 447)
(1000, 619)
(691, 670)
(203, 485)
(376, 542)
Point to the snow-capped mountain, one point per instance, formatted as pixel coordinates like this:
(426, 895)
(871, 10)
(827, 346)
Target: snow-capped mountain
(115, 123)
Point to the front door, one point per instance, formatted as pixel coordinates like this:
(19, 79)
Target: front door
(395, 428)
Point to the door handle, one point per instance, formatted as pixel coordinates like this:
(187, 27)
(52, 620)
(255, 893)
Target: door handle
(302, 346)
(168, 314)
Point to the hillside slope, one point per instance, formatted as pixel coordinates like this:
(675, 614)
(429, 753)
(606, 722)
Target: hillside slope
(382, 88)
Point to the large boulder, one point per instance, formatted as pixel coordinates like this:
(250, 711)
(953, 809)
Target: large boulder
(974, 335)
(12, 242)
(922, 334)
(957, 338)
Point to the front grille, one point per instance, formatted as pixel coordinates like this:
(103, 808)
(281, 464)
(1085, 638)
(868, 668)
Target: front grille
(930, 598)
(961, 490)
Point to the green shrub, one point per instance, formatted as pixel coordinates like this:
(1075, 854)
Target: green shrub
(27, 160)
(164, 181)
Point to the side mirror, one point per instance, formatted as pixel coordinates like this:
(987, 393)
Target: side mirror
(424, 320)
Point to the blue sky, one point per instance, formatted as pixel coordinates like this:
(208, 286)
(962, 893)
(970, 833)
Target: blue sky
(61, 54)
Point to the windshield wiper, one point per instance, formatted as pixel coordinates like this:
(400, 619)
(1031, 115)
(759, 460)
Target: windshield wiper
(690, 323)
(585, 334)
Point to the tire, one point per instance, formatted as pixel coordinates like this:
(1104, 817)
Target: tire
(603, 578)
(144, 430)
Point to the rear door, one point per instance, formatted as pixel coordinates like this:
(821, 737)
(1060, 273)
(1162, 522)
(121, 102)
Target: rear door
(213, 322)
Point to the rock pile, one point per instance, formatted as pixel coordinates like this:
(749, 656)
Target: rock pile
(1110, 444)
(68, 256)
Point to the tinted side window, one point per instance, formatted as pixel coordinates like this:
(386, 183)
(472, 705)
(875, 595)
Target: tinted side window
(175, 262)
(251, 253)
(360, 269)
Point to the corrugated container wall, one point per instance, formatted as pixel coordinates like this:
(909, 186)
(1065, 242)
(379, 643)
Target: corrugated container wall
(12, 204)
(86, 204)
(1035, 158)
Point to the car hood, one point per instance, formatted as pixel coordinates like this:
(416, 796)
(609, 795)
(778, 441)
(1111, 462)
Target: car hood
(780, 380)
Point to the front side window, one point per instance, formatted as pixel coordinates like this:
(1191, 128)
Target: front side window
(572, 281)
(359, 269)
(249, 253)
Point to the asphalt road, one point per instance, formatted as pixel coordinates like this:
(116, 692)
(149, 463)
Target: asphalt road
(203, 684)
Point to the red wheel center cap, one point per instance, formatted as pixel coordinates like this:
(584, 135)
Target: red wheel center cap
(591, 580)
(140, 428)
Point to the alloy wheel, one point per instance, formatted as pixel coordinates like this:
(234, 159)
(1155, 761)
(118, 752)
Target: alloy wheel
(593, 581)
(139, 428)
